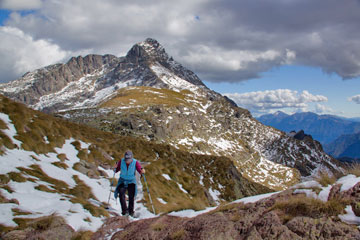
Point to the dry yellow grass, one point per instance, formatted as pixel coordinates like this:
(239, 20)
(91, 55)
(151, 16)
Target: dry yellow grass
(354, 168)
(325, 179)
(310, 207)
(144, 96)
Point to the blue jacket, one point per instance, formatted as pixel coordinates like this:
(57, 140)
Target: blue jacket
(127, 176)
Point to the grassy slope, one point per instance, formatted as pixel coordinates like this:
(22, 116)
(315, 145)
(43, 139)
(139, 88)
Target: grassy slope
(33, 127)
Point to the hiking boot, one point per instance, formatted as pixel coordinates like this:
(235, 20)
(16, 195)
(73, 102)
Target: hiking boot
(132, 214)
(124, 213)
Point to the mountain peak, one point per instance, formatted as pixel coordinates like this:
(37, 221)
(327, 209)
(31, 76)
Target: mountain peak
(150, 49)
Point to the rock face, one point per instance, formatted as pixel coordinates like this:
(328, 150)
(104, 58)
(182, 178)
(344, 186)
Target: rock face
(111, 226)
(259, 220)
(149, 95)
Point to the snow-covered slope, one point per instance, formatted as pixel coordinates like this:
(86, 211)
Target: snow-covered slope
(49, 165)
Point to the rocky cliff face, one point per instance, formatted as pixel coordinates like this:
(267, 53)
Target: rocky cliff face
(147, 94)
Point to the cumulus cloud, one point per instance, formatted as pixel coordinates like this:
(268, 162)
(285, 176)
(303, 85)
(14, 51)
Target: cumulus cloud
(20, 53)
(355, 99)
(321, 109)
(20, 4)
(232, 40)
(263, 101)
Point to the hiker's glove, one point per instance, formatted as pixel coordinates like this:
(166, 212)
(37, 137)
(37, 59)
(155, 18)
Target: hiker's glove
(142, 171)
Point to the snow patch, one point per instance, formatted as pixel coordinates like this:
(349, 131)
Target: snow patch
(348, 182)
(166, 176)
(350, 216)
(162, 201)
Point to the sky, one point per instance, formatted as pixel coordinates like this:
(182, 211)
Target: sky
(287, 55)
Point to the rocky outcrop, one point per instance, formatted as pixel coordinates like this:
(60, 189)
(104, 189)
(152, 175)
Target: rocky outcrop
(110, 227)
(259, 220)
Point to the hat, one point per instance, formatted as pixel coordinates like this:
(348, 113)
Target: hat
(128, 155)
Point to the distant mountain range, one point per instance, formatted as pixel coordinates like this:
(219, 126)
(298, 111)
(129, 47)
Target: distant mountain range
(323, 128)
(339, 136)
(345, 146)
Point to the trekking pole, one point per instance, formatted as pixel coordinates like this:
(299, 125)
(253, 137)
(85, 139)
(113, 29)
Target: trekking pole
(147, 188)
(112, 183)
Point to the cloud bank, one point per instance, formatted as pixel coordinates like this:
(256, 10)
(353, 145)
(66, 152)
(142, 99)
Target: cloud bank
(222, 41)
(20, 53)
(263, 101)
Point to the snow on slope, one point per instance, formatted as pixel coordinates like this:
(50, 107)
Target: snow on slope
(86, 92)
(40, 203)
(174, 82)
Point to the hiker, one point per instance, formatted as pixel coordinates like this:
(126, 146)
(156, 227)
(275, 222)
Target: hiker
(127, 181)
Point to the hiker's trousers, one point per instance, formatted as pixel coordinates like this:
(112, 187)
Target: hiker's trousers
(131, 193)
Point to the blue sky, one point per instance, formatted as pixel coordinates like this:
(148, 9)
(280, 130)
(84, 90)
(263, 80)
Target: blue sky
(4, 14)
(300, 78)
(265, 55)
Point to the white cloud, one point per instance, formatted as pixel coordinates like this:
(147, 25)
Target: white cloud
(275, 99)
(355, 99)
(20, 53)
(321, 109)
(20, 4)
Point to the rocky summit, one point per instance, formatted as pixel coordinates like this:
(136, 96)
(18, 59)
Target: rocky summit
(147, 94)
